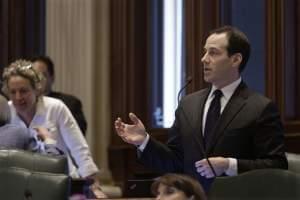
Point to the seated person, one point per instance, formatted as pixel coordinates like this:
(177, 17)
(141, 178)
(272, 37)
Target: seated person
(30, 109)
(44, 65)
(177, 187)
(16, 137)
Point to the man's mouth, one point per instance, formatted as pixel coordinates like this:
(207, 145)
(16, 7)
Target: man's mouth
(207, 69)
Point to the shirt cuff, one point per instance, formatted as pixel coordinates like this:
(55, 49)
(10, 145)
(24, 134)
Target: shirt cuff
(232, 168)
(144, 144)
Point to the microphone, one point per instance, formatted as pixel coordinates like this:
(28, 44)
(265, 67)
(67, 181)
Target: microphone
(188, 81)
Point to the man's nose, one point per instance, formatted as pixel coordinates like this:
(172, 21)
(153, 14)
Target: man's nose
(204, 58)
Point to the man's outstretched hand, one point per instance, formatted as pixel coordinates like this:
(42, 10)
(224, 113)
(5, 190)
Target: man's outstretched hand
(134, 133)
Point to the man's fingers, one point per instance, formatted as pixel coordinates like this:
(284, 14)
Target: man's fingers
(204, 170)
(134, 118)
(118, 121)
(200, 163)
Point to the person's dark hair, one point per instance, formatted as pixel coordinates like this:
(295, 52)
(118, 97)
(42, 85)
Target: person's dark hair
(47, 60)
(237, 43)
(189, 186)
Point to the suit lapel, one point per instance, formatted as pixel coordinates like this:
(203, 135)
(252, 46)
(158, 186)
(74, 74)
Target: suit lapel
(235, 104)
(193, 113)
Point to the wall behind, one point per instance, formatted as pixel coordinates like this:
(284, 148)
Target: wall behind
(76, 40)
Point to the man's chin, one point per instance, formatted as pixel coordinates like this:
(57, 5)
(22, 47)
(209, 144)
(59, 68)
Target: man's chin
(207, 79)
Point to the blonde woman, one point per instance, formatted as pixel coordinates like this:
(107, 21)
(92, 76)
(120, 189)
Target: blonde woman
(24, 86)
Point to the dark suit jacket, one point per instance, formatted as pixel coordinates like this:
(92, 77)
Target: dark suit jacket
(74, 105)
(249, 130)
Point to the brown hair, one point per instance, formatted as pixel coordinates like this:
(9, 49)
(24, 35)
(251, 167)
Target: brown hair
(189, 186)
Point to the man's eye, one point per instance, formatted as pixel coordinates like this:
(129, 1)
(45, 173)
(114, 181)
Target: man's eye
(213, 53)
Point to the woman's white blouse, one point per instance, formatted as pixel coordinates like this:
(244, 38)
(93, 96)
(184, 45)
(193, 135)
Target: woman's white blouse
(54, 115)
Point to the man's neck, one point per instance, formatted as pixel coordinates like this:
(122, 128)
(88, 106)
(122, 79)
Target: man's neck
(226, 82)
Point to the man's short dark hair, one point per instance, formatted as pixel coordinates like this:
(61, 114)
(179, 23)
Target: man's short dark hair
(47, 60)
(237, 43)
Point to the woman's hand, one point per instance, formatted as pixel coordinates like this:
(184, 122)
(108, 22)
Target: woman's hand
(42, 133)
(95, 187)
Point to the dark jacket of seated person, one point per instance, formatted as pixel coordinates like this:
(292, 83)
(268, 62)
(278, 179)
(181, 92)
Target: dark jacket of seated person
(16, 137)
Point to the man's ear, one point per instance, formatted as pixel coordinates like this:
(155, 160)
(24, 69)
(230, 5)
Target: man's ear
(236, 59)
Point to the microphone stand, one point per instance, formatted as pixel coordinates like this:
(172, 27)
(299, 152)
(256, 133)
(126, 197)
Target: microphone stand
(188, 81)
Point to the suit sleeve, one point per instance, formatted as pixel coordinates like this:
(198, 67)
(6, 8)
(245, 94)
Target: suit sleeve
(164, 158)
(268, 142)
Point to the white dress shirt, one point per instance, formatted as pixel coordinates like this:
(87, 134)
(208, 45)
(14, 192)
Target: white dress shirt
(227, 93)
(53, 115)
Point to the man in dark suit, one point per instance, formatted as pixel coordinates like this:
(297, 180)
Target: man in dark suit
(44, 65)
(235, 128)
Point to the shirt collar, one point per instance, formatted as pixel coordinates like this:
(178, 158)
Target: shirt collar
(228, 90)
(40, 107)
(38, 116)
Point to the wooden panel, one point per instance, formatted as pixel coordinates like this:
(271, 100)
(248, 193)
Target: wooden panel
(274, 43)
(129, 81)
(3, 33)
(200, 18)
(292, 73)
(128, 58)
(282, 74)
(297, 55)
(22, 31)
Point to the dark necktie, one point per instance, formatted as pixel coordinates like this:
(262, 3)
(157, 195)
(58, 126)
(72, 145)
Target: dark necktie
(212, 116)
